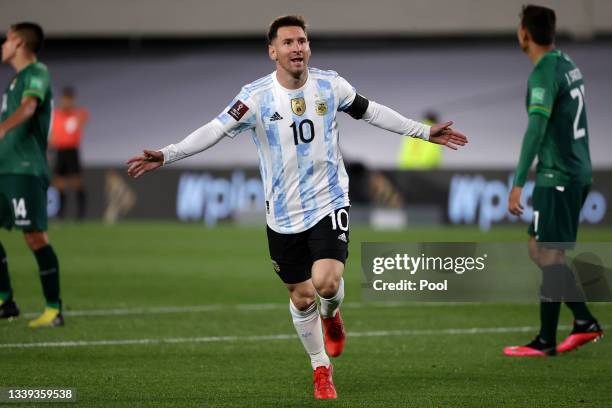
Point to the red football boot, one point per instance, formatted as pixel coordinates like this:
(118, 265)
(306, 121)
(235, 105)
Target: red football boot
(334, 335)
(580, 336)
(536, 348)
(323, 383)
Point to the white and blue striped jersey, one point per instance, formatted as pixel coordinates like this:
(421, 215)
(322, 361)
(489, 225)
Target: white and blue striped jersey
(296, 135)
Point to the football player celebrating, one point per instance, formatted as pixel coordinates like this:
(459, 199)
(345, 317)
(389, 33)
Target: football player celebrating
(291, 116)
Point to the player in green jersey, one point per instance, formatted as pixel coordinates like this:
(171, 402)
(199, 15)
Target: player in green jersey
(557, 134)
(24, 173)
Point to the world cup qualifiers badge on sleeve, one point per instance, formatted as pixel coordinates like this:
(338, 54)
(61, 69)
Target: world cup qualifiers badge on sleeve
(238, 110)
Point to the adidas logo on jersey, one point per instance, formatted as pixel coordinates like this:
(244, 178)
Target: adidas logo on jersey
(275, 117)
(342, 237)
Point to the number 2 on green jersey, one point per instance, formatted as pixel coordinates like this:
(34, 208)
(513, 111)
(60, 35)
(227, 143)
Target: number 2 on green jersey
(578, 93)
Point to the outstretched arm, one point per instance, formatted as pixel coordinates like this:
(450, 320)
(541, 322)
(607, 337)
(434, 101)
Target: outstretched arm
(386, 118)
(198, 141)
(238, 117)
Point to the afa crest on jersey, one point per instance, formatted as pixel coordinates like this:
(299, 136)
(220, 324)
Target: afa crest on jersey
(298, 106)
(321, 107)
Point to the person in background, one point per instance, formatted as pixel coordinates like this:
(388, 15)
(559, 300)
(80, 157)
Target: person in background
(416, 154)
(67, 130)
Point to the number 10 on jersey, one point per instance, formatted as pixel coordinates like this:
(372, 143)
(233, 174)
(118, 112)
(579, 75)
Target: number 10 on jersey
(303, 131)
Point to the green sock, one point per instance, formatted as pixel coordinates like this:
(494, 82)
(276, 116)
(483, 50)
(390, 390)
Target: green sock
(49, 275)
(6, 292)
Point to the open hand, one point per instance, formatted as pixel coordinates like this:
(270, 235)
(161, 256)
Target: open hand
(443, 134)
(149, 161)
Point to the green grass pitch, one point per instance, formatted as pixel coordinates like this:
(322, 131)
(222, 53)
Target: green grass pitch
(179, 315)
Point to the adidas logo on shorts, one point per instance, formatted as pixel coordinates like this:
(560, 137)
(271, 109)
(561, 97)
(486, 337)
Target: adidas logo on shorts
(342, 237)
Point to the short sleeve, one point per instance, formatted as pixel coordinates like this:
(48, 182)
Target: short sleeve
(346, 93)
(239, 115)
(542, 88)
(36, 84)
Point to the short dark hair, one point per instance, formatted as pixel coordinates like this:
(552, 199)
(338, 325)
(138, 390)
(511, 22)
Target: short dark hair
(32, 35)
(540, 22)
(285, 21)
(68, 92)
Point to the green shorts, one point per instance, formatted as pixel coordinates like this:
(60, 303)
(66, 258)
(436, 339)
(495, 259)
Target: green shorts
(23, 202)
(556, 212)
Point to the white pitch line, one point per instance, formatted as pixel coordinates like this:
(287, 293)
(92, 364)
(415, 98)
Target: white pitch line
(226, 339)
(239, 307)
(137, 311)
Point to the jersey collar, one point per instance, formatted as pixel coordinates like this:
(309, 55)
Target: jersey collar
(275, 79)
(552, 53)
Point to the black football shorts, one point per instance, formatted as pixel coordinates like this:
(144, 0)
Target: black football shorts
(293, 254)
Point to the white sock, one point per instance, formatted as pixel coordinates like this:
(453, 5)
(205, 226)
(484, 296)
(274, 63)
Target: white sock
(330, 306)
(308, 327)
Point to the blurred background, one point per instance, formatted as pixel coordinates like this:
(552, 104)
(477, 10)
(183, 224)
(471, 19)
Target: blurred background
(205, 302)
(150, 72)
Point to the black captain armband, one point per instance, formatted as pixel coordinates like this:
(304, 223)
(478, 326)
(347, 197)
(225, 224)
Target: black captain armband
(358, 107)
